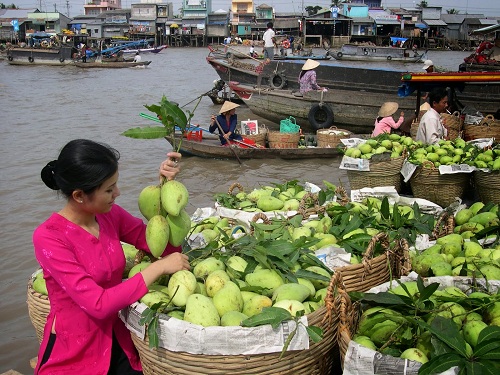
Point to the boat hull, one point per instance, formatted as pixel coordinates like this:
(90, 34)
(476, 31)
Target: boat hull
(351, 52)
(355, 113)
(40, 56)
(112, 65)
(145, 50)
(211, 148)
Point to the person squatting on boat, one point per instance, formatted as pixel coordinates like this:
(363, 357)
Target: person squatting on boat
(79, 249)
(226, 123)
(431, 128)
(137, 57)
(307, 77)
(384, 122)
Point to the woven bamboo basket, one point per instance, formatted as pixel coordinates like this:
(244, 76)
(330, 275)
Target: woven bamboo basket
(259, 138)
(319, 359)
(488, 186)
(454, 123)
(414, 125)
(373, 271)
(487, 128)
(428, 183)
(445, 225)
(38, 309)
(283, 140)
(382, 173)
(331, 137)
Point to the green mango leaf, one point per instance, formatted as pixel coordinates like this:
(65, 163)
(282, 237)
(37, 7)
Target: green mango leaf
(488, 343)
(492, 366)
(315, 333)
(447, 331)
(310, 275)
(481, 368)
(153, 333)
(149, 132)
(269, 315)
(426, 292)
(383, 298)
(397, 220)
(441, 363)
(385, 209)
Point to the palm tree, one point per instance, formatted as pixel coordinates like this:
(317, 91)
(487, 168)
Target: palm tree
(452, 11)
(423, 4)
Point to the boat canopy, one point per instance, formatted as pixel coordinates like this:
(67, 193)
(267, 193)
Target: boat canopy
(487, 29)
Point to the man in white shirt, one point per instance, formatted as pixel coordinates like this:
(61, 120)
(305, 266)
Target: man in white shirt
(431, 128)
(137, 57)
(269, 41)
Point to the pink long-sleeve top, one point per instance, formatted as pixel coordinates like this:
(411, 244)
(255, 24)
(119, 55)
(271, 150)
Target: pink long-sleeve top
(84, 280)
(386, 124)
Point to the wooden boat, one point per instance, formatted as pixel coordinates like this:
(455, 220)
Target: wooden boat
(485, 94)
(326, 56)
(112, 65)
(211, 148)
(368, 53)
(316, 110)
(57, 52)
(146, 50)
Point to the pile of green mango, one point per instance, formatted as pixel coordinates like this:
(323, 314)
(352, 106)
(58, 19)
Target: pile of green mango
(384, 143)
(391, 329)
(39, 284)
(460, 253)
(217, 293)
(164, 208)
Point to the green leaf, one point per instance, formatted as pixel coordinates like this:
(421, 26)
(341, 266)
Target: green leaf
(428, 291)
(441, 363)
(269, 315)
(149, 132)
(488, 334)
(153, 333)
(447, 331)
(384, 208)
(384, 298)
(315, 333)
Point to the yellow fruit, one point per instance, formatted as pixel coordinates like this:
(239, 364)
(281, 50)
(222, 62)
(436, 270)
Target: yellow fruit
(157, 235)
(215, 281)
(291, 305)
(255, 305)
(265, 278)
(207, 266)
(291, 291)
(232, 318)
(228, 299)
(414, 354)
(174, 197)
(269, 203)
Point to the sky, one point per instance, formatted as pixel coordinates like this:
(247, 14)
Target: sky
(486, 7)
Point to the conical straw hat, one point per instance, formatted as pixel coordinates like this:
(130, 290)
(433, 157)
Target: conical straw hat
(388, 109)
(227, 106)
(310, 64)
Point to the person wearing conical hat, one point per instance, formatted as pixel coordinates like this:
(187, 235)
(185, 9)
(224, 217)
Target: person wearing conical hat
(307, 77)
(226, 123)
(384, 122)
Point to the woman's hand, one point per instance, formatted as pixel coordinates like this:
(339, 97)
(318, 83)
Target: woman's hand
(175, 262)
(170, 167)
(212, 119)
(402, 114)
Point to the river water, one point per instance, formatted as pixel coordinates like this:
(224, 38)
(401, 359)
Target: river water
(42, 108)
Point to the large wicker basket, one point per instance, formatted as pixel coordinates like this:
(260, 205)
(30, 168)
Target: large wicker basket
(331, 137)
(381, 173)
(488, 186)
(283, 140)
(317, 360)
(38, 309)
(259, 138)
(487, 128)
(414, 125)
(428, 183)
(454, 123)
(373, 271)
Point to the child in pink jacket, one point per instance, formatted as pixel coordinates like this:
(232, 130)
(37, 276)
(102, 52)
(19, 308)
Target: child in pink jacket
(384, 123)
(79, 249)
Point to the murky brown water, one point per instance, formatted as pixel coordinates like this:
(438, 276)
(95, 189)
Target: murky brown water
(42, 108)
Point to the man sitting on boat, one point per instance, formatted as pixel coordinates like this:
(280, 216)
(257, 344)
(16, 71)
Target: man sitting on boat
(431, 128)
(226, 123)
(137, 57)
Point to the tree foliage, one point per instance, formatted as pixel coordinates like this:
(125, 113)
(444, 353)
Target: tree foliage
(311, 10)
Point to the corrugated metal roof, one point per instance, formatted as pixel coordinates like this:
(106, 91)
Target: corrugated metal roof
(17, 13)
(362, 20)
(487, 21)
(435, 23)
(387, 21)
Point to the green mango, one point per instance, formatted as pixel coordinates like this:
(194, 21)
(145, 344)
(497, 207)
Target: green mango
(232, 318)
(414, 354)
(215, 281)
(40, 286)
(463, 216)
(180, 286)
(291, 291)
(158, 234)
(180, 226)
(228, 298)
(269, 203)
(255, 304)
(200, 310)
(207, 266)
(290, 305)
(149, 201)
(174, 197)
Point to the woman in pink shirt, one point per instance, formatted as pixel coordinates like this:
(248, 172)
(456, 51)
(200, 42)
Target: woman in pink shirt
(80, 252)
(384, 123)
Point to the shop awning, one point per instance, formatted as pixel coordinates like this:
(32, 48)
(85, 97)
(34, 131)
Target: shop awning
(421, 25)
(174, 25)
(387, 22)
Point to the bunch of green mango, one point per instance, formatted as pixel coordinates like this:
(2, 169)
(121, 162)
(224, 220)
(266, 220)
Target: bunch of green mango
(392, 331)
(384, 143)
(488, 159)
(459, 253)
(164, 208)
(225, 293)
(271, 198)
(39, 284)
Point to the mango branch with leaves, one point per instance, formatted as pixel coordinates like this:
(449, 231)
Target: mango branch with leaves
(170, 115)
